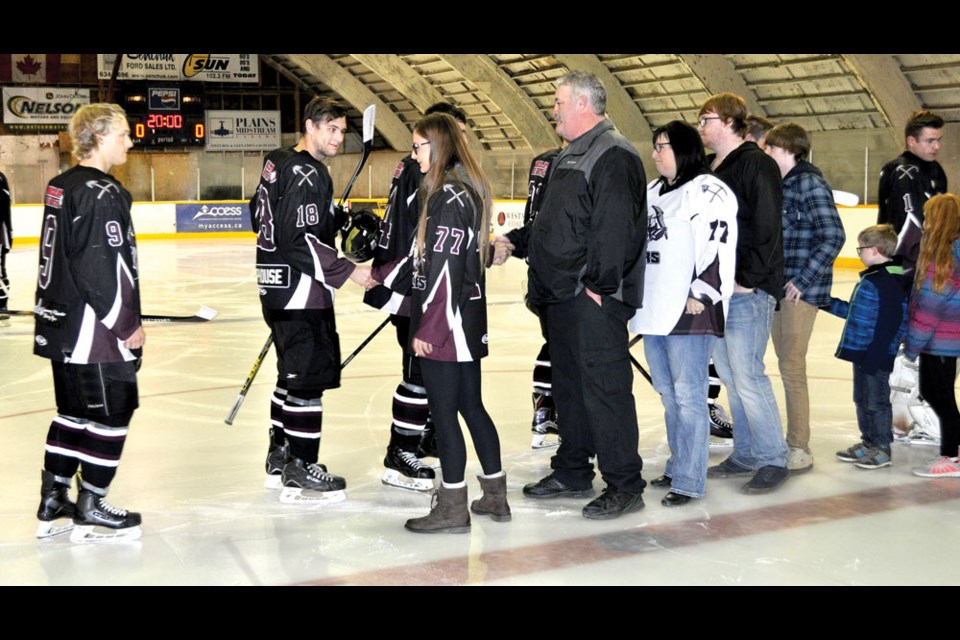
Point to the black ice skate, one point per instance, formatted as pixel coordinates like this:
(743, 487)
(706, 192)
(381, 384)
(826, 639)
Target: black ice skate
(56, 509)
(428, 446)
(310, 482)
(276, 458)
(406, 471)
(96, 520)
(544, 422)
(721, 429)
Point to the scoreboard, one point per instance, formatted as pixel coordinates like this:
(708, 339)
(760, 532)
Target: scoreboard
(165, 116)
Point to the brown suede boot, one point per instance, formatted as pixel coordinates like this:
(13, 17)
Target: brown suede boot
(493, 502)
(448, 513)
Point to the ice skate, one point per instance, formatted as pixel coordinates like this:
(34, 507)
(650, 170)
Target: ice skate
(428, 446)
(276, 458)
(546, 434)
(96, 520)
(310, 483)
(56, 509)
(721, 429)
(406, 471)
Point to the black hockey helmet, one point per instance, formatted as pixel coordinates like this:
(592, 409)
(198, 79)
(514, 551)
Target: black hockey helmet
(360, 238)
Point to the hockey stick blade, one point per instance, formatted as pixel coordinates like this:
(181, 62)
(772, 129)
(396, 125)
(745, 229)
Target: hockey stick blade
(204, 314)
(364, 343)
(249, 381)
(845, 198)
(369, 117)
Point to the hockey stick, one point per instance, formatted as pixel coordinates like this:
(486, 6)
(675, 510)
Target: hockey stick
(263, 354)
(249, 381)
(364, 343)
(636, 363)
(369, 116)
(203, 314)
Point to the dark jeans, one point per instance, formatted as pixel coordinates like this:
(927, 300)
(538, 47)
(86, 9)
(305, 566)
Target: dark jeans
(871, 394)
(937, 376)
(593, 391)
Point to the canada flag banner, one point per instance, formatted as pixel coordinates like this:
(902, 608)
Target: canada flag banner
(30, 67)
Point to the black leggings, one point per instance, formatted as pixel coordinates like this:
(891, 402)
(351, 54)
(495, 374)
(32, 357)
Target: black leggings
(454, 387)
(937, 378)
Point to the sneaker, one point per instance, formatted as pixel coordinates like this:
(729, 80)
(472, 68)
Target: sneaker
(729, 469)
(875, 459)
(550, 487)
(766, 480)
(798, 460)
(720, 425)
(855, 453)
(613, 503)
(942, 467)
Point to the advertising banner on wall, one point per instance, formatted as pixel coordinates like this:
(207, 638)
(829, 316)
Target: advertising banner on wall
(41, 108)
(179, 67)
(507, 216)
(243, 130)
(213, 217)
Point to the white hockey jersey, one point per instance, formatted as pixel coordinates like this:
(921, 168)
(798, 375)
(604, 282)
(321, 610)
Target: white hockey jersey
(691, 253)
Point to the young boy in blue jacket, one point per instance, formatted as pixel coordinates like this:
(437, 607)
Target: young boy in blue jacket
(876, 322)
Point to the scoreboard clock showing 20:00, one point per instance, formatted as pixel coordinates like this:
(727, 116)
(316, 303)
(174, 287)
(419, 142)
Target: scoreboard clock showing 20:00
(165, 117)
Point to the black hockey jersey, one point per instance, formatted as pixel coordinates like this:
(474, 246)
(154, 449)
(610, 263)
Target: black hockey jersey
(536, 186)
(449, 307)
(397, 230)
(88, 294)
(906, 183)
(292, 212)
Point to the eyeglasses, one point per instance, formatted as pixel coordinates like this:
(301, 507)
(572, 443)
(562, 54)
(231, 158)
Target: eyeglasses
(417, 145)
(658, 146)
(860, 249)
(704, 120)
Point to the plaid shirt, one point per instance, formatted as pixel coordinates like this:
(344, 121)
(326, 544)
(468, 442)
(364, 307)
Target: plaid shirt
(812, 233)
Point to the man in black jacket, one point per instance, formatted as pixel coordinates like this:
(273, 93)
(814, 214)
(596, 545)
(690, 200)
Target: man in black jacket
(759, 449)
(587, 256)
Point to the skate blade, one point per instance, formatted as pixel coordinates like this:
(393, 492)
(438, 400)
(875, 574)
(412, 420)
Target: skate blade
(273, 481)
(393, 478)
(54, 527)
(91, 533)
(295, 495)
(540, 441)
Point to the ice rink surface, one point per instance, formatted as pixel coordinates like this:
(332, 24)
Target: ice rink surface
(208, 521)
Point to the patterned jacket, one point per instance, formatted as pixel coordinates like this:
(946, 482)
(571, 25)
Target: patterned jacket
(812, 233)
(876, 317)
(934, 325)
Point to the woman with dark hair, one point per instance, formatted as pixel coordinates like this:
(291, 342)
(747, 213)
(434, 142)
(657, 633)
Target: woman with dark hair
(933, 330)
(448, 320)
(691, 251)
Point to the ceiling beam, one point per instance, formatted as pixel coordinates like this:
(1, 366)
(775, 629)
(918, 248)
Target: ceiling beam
(491, 80)
(888, 88)
(718, 75)
(355, 93)
(405, 79)
(622, 110)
